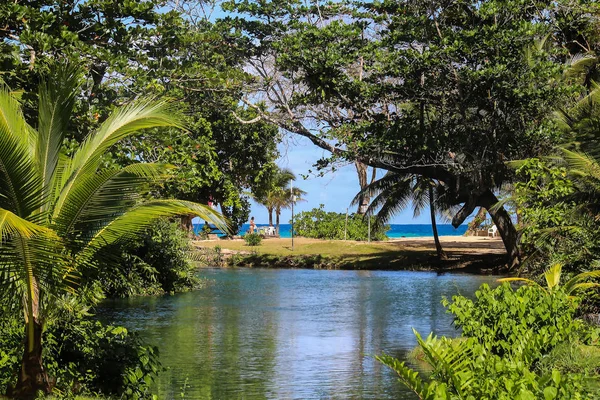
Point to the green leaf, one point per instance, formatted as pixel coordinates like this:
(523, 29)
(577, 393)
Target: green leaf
(550, 393)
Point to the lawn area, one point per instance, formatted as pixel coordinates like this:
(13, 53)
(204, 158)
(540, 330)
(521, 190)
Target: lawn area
(406, 253)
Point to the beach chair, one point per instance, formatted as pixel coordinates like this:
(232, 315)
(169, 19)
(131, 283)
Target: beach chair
(493, 230)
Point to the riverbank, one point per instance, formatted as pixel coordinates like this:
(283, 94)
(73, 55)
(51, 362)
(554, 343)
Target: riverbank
(469, 254)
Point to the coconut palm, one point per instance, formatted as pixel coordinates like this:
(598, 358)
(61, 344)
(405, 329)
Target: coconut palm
(277, 195)
(283, 199)
(396, 191)
(58, 209)
(276, 183)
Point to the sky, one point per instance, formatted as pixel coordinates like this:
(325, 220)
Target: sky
(335, 190)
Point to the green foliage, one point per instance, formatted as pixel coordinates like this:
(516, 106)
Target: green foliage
(83, 356)
(236, 209)
(321, 224)
(555, 225)
(553, 276)
(576, 358)
(445, 91)
(187, 60)
(156, 262)
(60, 208)
(276, 194)
(253, 239)
(507, 337)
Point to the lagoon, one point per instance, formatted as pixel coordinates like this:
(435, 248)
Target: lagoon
(290, 334)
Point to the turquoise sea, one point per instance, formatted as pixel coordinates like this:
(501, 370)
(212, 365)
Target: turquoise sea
(396, 230)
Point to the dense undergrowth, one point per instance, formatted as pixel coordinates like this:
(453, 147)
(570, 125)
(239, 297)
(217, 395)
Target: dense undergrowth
(84, 356)
(157, 262)
(515, 344)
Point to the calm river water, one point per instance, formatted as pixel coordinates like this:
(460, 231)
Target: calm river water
(291, 334)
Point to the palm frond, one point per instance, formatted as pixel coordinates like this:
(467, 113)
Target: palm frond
(392, 204)
(581, 164)
(12, 225)
(580, 64)
(142, 216)
(389, 180)
(516, 279)
(122, 123)
(12, 121)
(449, 359)
(420, 196)
(20, 189)
(407, 376)
(56, 101)
(575, 282)
(552, 275)
(102, 195)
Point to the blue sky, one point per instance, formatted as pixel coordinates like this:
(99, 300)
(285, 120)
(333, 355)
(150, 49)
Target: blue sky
(335, 190)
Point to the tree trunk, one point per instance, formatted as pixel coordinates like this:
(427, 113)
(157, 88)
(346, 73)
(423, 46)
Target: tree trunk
(187, 225)
(438, 246)
(32, 377)
(477, 221)
(506, 228)
(270, 210)
(364, 199)
(277, 213)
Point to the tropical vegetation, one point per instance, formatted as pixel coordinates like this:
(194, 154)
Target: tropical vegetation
(394, 192)
(118, 120)
(277, 194)
(510, 348)
(60, 208)
(320, 224)
(253, 239)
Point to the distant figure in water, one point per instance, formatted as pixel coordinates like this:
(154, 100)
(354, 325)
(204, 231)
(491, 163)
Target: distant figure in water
(252, 225)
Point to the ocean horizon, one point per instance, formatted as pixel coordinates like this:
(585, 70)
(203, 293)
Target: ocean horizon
(396, 230)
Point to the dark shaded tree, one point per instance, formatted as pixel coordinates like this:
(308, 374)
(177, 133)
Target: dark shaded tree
(447, 91)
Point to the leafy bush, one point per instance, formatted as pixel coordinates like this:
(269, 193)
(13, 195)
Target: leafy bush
(83, 356)
(320, 224)
(253, 239)
(506, 335)
(551, 229)
(158, 262)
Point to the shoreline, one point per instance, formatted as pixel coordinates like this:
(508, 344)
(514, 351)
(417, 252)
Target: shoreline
(465, 254)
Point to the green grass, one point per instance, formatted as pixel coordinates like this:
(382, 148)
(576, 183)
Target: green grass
(339, 254)
(303, 246)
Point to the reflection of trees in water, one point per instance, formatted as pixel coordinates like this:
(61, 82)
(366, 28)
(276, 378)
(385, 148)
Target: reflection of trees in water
(283, 334)
(216, 346)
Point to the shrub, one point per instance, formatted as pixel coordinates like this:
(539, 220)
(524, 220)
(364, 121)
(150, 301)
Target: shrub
(506, 336)
(551, 231)
(84, 356)
(320, 224)
(252, 239)
(158, 262)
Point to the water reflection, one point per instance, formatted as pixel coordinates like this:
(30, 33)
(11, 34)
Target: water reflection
(291, 334)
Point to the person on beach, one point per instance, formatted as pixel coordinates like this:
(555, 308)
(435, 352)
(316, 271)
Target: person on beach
(252, 225)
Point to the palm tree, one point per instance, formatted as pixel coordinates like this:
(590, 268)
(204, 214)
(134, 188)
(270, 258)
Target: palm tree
(277, 195)
(283, 199)
(57, 210)
(396, 191)
(276, 183)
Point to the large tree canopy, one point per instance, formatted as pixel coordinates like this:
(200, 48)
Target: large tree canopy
(446, 90)
(146, 48)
